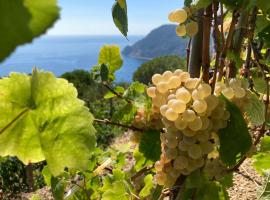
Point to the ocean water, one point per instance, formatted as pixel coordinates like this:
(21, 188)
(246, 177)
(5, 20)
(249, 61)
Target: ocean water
(60, 54)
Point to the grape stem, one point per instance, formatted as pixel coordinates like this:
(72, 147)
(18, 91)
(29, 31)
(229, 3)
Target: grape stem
(216, 35)
(108, 122)
(128, 100)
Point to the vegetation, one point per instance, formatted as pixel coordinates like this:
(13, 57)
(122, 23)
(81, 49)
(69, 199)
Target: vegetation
(188, 131)
(158, 65)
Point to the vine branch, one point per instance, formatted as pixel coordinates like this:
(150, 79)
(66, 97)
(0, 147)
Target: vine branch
(108, 122)
(117, 94)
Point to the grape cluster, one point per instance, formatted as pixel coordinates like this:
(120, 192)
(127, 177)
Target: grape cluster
(185, 26)
(235, 91)
(191, 115)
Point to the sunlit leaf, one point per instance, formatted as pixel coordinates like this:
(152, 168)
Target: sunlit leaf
(111, 56)
(120, 18)
(23, 20)
(148, 186)
(41, 118)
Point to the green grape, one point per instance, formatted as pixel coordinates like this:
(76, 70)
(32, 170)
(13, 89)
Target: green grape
(235, 83)
(171, 96)
(180, 162)
(167, 75)
(174, 82)
(162, 87)
(207, 147)
(188, 132)
(189, 140)
(178, 106)
(205, 89)
(174, 173)
(191, 83)
(158, 100)
(163, 109)
(171, 115)
(218, 113)
(159, 166)
(156, 78)
(202, 136)
(197, 95)
(196, 124)
(183, 95)
(219, 87)
(180, 123)
(171, 143)
(228, 93)
(180, 16)
(189, 115)
(170, 102)
(161, 178)
(199, 106)
(181, 30)
(171, 17)
(239, 92)
(184, 76)
(212, 102)
(195, 151)
(205, 123)
(183, 146)
(192, 28)
(177, 72)
(185, 172)
(171, 153)
(151, 92)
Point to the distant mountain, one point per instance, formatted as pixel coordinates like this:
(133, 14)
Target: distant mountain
(161, 41)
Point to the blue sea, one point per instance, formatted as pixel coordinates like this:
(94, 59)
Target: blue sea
(60, 54)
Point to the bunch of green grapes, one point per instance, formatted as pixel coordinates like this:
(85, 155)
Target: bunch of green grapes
(215, 169)
(236, 91)
(190, 114)
(185, 26)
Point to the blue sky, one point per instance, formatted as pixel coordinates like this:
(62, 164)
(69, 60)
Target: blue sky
(93, 17)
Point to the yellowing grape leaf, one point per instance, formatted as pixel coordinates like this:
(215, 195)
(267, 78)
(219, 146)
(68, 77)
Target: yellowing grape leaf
(110, 55)
(23, 20)
(42, 119)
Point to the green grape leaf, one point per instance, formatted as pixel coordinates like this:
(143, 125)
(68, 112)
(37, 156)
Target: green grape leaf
(150, 145)
(47, 175)
(227, 180)
(187, 3)
(255, 110)
(119, 14)
(201, 3)
(35, 197)
(23, 20)
(235, 139)
(111, 56)
(41, 118)
(263, 5)
(125, 114)
(265, 189)
(261, 160)
(148, 186)
(116, 191)
(109, 95)
(212, 190)
(141, 161)
(195, 180)
(265, 144)
(104, 72)
(58, 186)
